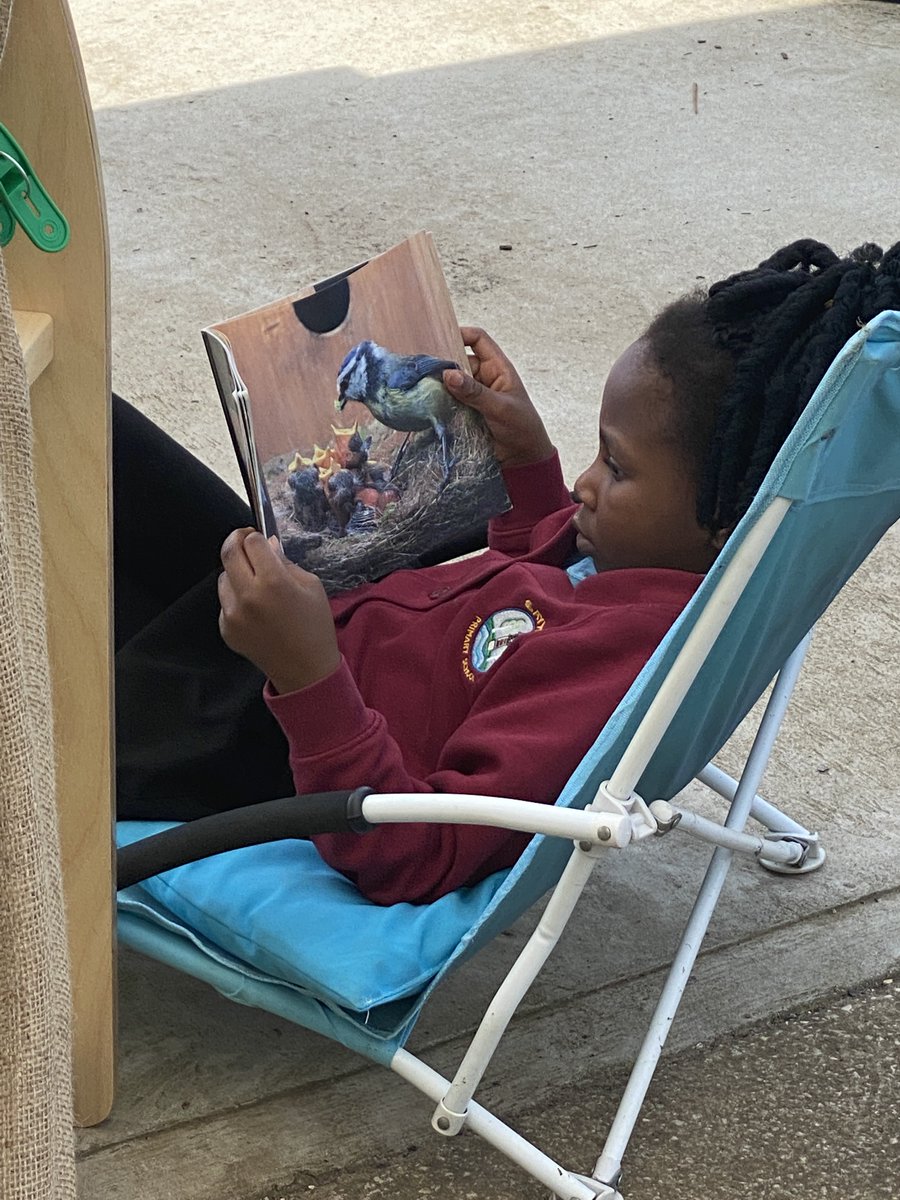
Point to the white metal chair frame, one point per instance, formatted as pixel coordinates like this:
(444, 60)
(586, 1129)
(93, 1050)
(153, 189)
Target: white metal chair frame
(615, 818)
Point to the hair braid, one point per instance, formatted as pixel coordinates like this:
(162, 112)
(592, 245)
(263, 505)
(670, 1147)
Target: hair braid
(772, 332)
(747, 431)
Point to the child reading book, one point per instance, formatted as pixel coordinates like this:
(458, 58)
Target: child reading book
(490, 675)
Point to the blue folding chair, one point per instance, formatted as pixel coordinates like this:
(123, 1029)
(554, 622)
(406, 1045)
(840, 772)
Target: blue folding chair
(273, 926)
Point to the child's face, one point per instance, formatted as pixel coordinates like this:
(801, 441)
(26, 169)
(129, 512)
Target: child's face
(638, 501)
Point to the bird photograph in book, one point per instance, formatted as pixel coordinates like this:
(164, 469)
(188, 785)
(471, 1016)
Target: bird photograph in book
(352, 451)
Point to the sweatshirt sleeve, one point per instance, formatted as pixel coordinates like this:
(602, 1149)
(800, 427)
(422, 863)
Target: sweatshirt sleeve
(535, 492)
(522, 738)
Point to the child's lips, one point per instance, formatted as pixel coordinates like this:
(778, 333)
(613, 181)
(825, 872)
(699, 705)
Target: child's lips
(582, 541)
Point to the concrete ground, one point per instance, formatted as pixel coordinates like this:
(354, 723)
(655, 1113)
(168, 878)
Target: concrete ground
(248, 150)
(780, 1130)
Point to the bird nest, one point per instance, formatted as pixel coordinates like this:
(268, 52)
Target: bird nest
(426, 513)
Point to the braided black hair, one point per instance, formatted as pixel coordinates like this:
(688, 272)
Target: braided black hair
(745, 357)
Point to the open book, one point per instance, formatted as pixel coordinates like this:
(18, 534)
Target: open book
(351, 450)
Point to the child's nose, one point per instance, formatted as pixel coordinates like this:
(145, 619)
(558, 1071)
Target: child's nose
(584, 490)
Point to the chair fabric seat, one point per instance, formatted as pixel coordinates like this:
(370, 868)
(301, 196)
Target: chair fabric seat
(285, 916)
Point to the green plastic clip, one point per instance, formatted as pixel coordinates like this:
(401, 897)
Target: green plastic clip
(25, 201)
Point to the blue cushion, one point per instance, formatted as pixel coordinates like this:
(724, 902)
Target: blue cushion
(281, 909)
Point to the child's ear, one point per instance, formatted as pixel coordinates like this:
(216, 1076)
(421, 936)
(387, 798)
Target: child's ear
(720, 537)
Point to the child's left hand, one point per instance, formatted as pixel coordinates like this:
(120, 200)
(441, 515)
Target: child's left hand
(495, 390)
(275, 614)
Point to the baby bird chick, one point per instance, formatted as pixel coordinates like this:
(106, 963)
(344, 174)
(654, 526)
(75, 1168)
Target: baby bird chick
(363, 519)
(340, 488)
(403, 391)
(307, 498)
(358, 451)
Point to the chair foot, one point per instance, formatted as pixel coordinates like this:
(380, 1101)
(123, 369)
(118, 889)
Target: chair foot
(811, 859)
(602, 1191)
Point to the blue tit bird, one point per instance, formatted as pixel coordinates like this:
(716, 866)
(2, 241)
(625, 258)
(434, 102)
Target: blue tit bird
(402, 391)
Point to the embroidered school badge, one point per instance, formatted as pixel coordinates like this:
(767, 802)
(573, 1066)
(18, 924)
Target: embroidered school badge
(487, 638)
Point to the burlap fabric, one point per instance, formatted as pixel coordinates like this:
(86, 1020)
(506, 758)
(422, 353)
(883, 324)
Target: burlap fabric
(36, 1151)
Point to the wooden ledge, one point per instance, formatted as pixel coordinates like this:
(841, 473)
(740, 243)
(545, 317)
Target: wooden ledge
(35, 330)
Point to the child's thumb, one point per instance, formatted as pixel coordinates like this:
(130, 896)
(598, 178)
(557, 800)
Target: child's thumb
(464, 388)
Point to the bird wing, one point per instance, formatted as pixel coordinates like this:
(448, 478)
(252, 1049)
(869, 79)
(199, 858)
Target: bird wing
(415, 367)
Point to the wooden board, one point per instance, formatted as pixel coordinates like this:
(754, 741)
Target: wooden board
(43, 102)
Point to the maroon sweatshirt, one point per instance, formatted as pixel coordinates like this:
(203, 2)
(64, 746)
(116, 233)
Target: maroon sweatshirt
(492, 675)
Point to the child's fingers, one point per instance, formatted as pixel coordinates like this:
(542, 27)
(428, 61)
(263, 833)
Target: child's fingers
(498, 408)
(264, 559)
(229, 610)
(233, 554)
(471, 333)
(482, 350)
(235, 540)
(466, 389)
(227, 598)
(270, 563)
(480, 343)
(487, 361)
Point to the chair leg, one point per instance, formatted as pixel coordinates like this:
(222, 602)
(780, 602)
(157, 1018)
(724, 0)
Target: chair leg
(451, 1114)
(761, 810)
(609, 1165)
(562, 1183)
(781, 826)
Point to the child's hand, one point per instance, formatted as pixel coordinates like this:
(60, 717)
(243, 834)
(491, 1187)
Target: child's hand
(275, 613)
(495, 390)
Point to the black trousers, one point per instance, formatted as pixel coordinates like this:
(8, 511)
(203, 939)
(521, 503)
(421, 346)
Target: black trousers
(193, 735)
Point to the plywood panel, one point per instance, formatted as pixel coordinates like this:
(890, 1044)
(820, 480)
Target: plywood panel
(43, 101)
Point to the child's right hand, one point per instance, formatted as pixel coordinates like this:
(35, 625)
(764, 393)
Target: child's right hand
(495, 390)
(275, 614)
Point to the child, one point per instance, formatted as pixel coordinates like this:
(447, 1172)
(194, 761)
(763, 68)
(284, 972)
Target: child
(491, 675)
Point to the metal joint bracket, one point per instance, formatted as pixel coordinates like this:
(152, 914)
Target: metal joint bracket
(447, 1123)
(811, 854)
(627, 821)
(665, 816)
(602, 1191)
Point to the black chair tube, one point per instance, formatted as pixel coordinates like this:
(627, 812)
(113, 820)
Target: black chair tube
(271, 821)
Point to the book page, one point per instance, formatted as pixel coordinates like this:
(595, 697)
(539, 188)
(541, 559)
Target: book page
(233, 394)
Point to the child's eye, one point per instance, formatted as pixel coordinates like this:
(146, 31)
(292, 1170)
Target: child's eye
(614, 468)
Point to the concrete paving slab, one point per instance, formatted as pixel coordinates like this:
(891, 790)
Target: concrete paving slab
(248, 152)
(809, 1110)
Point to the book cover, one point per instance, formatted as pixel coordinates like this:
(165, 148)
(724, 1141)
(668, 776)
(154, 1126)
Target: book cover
(351, 450)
